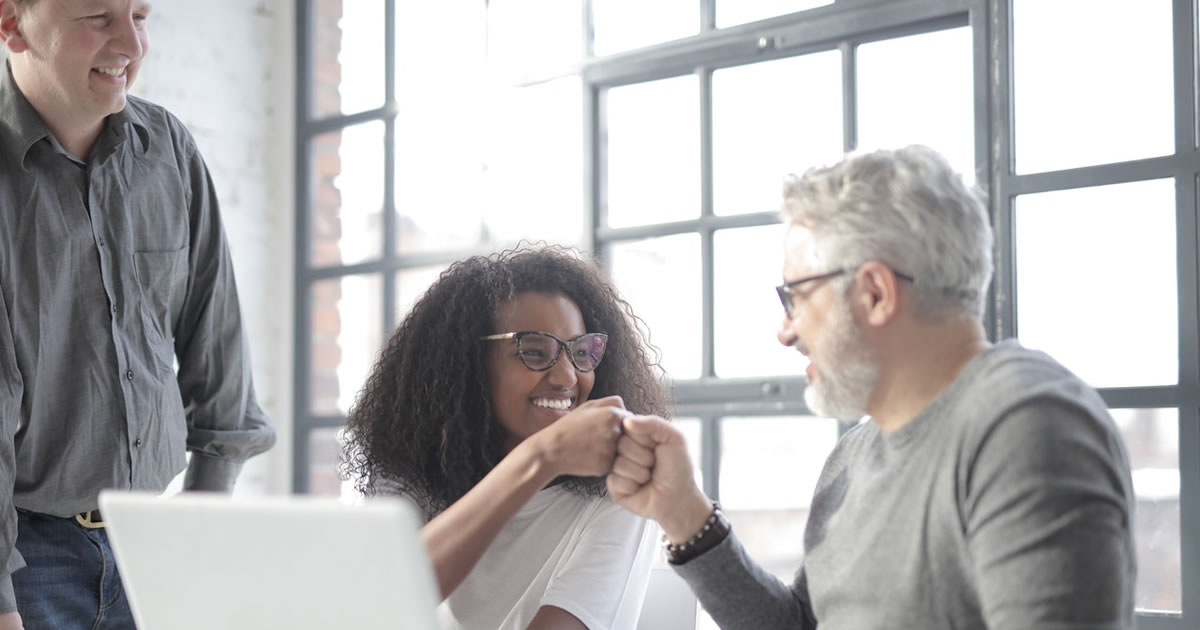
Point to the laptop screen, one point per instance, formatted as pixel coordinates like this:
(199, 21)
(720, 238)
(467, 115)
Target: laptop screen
(198, 560)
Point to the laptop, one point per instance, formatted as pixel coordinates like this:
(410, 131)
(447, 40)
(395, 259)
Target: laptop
(198, 560)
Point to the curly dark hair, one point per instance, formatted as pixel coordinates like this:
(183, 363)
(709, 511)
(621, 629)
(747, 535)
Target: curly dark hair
(424, 420)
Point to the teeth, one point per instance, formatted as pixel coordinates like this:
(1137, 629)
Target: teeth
(112, 72)
(553, 403)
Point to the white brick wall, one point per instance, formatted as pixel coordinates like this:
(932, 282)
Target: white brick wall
(226, 69)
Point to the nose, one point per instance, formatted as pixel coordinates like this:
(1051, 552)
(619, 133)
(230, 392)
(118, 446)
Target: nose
(562, 373)
(127, 38)
(786, 335)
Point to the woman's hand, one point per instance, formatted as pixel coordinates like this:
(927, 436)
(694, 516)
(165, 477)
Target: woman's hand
(583, 442)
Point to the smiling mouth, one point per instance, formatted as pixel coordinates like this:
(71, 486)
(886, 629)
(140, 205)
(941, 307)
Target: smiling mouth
(110, 72)
(558, 404)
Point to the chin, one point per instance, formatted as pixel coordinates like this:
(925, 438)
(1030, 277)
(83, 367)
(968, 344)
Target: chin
(118, 104)
(843, 410)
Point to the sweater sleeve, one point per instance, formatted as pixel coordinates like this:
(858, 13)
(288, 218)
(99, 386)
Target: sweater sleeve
(741, 595)
(1047, 512)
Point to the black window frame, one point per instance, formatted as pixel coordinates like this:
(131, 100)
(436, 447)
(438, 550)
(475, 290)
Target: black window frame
(842, 25)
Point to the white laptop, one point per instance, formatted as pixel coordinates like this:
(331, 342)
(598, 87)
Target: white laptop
(194, 560)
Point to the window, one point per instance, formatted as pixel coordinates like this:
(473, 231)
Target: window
(405, 166)
(1094, 192)
(658, 140)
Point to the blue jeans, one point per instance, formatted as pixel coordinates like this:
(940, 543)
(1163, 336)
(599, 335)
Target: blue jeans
(70, 580)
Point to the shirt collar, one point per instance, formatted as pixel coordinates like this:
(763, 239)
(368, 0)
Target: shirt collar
(18, 118)
(26, 126)
(129, 117)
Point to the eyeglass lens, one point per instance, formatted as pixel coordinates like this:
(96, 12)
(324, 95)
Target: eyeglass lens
(539, 351)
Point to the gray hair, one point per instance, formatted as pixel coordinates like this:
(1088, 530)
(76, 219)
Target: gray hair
(906, 208)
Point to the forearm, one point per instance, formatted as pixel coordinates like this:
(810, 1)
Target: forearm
(738, 593)
(457, 538)
(211, 474)
(11, 621)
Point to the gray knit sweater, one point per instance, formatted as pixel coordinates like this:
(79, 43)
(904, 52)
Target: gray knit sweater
(1007, 504)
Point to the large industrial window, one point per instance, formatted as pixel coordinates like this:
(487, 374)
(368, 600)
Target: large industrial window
(657, 139)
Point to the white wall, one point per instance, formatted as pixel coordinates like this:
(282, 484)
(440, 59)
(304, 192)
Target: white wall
(226, 69)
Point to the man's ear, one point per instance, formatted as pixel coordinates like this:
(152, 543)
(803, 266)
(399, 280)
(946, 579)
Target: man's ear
(878, 292)
(10, 30)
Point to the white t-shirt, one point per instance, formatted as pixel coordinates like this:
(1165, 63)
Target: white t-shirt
(584, 555)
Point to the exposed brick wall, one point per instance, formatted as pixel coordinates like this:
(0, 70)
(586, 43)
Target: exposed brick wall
(326, 232)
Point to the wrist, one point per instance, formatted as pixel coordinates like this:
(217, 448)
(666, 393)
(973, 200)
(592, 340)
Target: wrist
(713, 532)
(536, 460)
(687, 519)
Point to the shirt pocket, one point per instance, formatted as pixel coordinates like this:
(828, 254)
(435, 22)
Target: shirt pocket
(162, 280)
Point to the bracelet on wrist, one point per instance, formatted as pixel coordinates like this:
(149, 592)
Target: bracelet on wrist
(714, 530)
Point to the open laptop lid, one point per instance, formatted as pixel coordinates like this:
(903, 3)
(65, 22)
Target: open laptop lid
(198, 560)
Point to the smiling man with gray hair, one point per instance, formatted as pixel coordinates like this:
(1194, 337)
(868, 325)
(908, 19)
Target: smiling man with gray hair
(990, 488)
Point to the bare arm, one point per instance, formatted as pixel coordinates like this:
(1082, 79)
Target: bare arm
(552, 618)
(581, 443)
(12, 621)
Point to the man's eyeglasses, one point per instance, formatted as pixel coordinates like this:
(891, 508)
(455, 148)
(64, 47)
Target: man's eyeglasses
(539, 351)
(788, 294)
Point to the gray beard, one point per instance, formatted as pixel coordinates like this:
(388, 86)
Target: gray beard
(847, 375)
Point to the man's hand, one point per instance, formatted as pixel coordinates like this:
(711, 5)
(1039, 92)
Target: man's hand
(11, 621)
(652, 477)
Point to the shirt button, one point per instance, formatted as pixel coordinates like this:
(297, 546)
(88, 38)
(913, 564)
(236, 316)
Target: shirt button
(129, 374)
(114, 309)
(100, 242)
(138, 443)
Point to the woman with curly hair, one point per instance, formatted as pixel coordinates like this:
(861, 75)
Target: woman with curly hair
(496, 406)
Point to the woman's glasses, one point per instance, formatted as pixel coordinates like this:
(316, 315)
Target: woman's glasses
(539, 351)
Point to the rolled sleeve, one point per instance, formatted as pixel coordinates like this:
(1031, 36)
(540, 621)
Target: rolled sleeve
(211, 473)
(225, 424)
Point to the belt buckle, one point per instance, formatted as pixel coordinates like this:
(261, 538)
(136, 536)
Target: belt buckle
(90, 519)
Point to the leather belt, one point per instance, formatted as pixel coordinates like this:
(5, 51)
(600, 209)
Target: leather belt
(90, 519)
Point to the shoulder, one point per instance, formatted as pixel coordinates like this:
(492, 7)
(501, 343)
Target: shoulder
(1008, 368)
(1024, 407)
(1012, 380)
(599, 517)
(160, 124)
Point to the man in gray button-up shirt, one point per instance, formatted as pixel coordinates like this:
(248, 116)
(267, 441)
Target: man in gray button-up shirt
(113, 266)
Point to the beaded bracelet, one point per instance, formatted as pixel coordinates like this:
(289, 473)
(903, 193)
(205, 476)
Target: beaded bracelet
(715, 529)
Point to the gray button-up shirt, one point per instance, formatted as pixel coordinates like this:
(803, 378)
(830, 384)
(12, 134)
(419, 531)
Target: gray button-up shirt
(111, 271)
